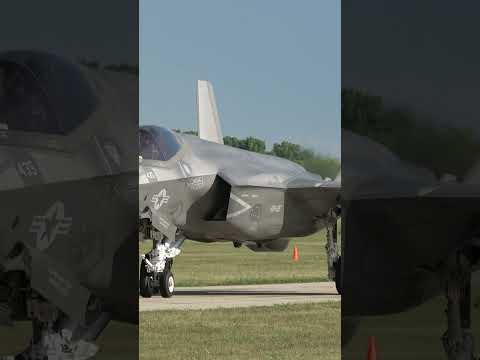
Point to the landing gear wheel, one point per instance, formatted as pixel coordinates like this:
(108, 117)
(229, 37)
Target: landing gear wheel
(146, 288)
(167, 284)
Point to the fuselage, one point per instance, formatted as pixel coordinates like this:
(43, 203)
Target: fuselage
(400, 224)
(215, 192)
(62, 163)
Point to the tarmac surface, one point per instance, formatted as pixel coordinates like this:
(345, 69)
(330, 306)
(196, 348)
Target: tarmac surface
(211, 297)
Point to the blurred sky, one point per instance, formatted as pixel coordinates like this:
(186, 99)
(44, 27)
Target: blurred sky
(274, 66)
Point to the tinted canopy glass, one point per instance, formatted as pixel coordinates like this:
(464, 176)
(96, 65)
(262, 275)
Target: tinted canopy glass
(158, 143)
(43, 93)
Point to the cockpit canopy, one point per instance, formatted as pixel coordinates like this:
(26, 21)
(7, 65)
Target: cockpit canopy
(41, 92)
(158, 143)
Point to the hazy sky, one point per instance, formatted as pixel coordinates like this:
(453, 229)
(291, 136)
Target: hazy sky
(84, 29)
(423, 59)
(274, 66)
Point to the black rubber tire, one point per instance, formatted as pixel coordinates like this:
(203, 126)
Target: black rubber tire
(146, 288)
(167, 284)
(338, 275)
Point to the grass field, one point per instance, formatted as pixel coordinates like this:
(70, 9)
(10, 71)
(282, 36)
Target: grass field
(300, 331)
(413, 334)
(202, 264)
(307, 331)
(118, 341)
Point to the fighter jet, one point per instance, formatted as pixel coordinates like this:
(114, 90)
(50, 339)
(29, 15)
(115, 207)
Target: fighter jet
(408, 236)
(68, 190)
(196, 187)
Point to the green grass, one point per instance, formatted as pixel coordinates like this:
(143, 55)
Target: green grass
(414, 334)
(300, 331)
(15, 339)
(118, 341)
(202, 264)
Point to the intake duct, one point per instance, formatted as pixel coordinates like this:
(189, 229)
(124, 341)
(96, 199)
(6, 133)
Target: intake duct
(218, 200)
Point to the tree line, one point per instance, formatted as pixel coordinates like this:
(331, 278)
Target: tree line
(122, 68)
(324, 165)
(441, 149)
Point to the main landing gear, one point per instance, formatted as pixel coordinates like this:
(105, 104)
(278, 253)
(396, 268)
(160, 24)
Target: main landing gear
(333, 256)
(156, 268)
(56, 336)
(458, 341)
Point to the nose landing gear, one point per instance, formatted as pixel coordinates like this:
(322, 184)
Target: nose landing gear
(156, 274)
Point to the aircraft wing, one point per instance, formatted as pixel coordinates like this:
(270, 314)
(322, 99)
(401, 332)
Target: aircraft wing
(318, 198)
(307, 190)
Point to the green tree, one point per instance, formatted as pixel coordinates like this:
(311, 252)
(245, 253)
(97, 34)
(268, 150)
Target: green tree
(232, 141)
(253, 144)
(287, 150)
(442, 150)
(325, 166)
(191, 132)
(123, 68)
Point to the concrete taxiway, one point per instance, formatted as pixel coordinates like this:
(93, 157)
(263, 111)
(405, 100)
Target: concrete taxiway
(212, 297)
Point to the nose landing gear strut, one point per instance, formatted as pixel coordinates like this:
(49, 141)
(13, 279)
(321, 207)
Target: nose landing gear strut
(156, 268)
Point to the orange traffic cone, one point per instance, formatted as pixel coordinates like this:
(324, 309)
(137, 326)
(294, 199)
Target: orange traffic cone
(295, 253)
(372, 351)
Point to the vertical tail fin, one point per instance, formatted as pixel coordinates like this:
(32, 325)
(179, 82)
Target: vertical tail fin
(208, 119)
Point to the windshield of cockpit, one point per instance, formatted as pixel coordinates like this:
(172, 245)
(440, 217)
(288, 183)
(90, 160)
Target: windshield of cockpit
(43, 93)
(23, 105)
(157, 143)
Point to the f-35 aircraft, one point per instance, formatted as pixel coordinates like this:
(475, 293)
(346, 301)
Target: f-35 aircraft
(68, 197)
(198, 188)
(407, 236)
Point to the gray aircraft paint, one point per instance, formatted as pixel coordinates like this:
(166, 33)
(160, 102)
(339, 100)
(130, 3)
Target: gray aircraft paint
(261, 189)
(397, 220)
(93, 163)
(217, 192)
